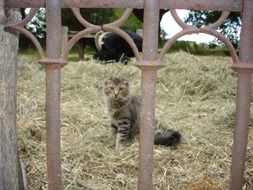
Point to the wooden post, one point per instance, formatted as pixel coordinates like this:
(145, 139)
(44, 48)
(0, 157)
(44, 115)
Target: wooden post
(10, 173)
(81, 47)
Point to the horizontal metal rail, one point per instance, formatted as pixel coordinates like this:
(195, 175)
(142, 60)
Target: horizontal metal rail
(224, 5)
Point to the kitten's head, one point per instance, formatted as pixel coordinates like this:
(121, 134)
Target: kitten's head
(116, 88)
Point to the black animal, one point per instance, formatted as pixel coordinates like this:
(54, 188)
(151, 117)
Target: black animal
(114, 47)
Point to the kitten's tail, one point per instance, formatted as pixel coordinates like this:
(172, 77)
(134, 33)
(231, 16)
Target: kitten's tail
(167, 137)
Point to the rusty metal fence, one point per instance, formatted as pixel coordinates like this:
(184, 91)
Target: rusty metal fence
(149, 62)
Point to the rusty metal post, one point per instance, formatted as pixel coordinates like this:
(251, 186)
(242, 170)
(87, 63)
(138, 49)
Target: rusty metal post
(244, 69)
(64, 37)
(53, 52)
(149, 74)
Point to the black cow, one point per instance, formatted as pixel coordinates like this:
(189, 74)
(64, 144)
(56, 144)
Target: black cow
(114, 47)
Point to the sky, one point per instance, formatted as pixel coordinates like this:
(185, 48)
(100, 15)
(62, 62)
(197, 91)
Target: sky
(171, 28)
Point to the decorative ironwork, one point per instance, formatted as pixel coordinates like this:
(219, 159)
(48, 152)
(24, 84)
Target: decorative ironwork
(210, 29)
(20, 26)
(92, 28)
(225, 5)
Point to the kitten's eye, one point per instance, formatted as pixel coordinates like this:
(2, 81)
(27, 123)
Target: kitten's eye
(108, 90)
(125, 83)
(108, 81)
(124, 91)
(121, 89)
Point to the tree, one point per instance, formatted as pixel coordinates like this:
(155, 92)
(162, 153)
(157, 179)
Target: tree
(10, 170)
(230, 28)
(37, 26)
(96, 16)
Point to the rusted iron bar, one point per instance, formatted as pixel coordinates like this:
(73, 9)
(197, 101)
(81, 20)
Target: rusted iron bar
(149, 74)
(241, 128)
(244, 69)
(224, 5)
(53, 41)
(147, 131)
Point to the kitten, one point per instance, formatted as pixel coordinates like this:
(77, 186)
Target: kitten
(124, 113)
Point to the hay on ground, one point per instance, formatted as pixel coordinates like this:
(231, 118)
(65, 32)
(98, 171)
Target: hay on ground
(195, 95)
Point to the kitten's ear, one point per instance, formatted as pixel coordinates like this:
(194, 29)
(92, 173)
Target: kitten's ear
(125, 76)
(125, 81)
(129, 75)
(106, 75)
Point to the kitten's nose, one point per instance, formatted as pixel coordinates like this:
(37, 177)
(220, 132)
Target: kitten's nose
(116, 92)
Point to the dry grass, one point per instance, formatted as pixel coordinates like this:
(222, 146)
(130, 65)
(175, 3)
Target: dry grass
(195, 95)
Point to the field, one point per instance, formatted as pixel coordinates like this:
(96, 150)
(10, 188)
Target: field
(195, 95)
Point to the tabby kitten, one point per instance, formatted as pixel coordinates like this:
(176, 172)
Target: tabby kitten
(124, 113)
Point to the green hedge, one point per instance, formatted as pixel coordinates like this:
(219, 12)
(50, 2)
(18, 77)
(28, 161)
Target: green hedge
(199, 49)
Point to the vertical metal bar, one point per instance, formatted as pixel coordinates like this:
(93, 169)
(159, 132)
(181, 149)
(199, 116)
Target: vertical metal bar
(243, 98)
(150, 45)
(53, 17)
(64, 37)
(147, 130)
(241, 129)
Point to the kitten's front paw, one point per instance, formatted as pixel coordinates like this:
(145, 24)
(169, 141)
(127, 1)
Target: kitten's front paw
(119, 146)
(112, 131)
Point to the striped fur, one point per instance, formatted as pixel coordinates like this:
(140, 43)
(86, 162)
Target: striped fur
(124, 115)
